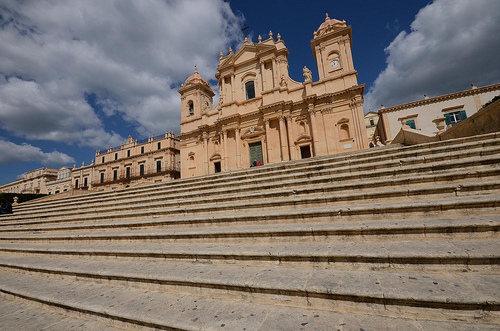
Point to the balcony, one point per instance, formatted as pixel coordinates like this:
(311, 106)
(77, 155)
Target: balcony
(136, 175)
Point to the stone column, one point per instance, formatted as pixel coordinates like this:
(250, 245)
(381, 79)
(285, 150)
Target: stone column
(293, 150)
(284, 140)
(275, 74)
(205, 152)
(262, 75)
(314, 131)
(232, 87)
(225, 158)
(321, 138)
(238, 148)
(222, 88)
(359, 131)
(266, 152)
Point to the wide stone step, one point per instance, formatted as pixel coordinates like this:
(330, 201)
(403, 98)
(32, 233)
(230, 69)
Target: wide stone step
(484, 203)
(450, 290)
(318, 186)
(266, 227)
(158, 309)
(390, 253)
(222, 178)
(29, 315)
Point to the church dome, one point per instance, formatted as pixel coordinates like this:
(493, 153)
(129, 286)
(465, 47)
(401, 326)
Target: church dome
(195, 79)
(329, 24)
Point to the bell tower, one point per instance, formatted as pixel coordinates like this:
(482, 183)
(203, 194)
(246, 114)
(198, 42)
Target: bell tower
(331, 47)
(196, 99)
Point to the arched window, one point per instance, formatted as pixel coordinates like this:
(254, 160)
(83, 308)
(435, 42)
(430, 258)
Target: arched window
(191, 107)
(250, 90)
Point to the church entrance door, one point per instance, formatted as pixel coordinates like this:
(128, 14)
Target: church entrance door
(305, 152)
(255, 153)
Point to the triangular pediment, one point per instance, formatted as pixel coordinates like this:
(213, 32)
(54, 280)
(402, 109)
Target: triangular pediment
(246, 53)
(226, 60)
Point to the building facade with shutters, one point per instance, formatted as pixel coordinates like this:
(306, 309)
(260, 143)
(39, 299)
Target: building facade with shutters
(429, 114)
(263, 116)
(152, 160)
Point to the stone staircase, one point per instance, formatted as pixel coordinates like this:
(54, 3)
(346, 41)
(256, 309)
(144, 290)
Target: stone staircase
(393, 238)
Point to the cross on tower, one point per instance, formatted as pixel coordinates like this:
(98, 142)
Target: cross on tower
(245, 28)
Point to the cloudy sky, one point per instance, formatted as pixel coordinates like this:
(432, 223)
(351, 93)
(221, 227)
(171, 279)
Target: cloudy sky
(77, 75)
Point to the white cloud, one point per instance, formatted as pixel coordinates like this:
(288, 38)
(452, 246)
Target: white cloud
(132, 55)
(13, 153)
(452, 43)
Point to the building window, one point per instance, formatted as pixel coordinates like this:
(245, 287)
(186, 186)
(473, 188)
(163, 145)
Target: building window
(250, 90)
(191, 107)
(128, 153)
(141, 170)
(127, 172)
(217, 167)
(102, 159)
(411, 124)
(159, 145)
(115, 174)
(85, 182)
(116, 156)
(102, 177)
(142, 150)
(455, 117)
(372, 122)
(76, 183)
(158, 166)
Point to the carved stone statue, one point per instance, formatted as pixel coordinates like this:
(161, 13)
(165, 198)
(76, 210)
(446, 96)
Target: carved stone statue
(283, 81)
(307, 74)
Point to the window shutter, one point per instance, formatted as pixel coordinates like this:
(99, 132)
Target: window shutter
(463, 115)
(411, 124)
(447, 119)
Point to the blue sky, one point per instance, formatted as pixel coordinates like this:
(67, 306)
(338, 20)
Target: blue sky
(77, 76)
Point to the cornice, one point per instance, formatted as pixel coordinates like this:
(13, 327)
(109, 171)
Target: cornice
(336, 77)
(357, 89)
(334, 33)
(279, 104)
(440, 98)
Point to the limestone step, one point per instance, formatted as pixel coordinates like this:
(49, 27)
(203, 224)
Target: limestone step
(457, 204)
(304, 230)
(420, 289)
(280, 168)
(396, 237)
(317, 186)
(257, 183)
(328, 195)
(28, 315)
(450, 253)
(158, 309)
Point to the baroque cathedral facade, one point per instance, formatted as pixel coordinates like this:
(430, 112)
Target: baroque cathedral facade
(263, 116)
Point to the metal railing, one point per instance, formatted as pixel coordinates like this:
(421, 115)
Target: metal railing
(137, 142)
(134, 174)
